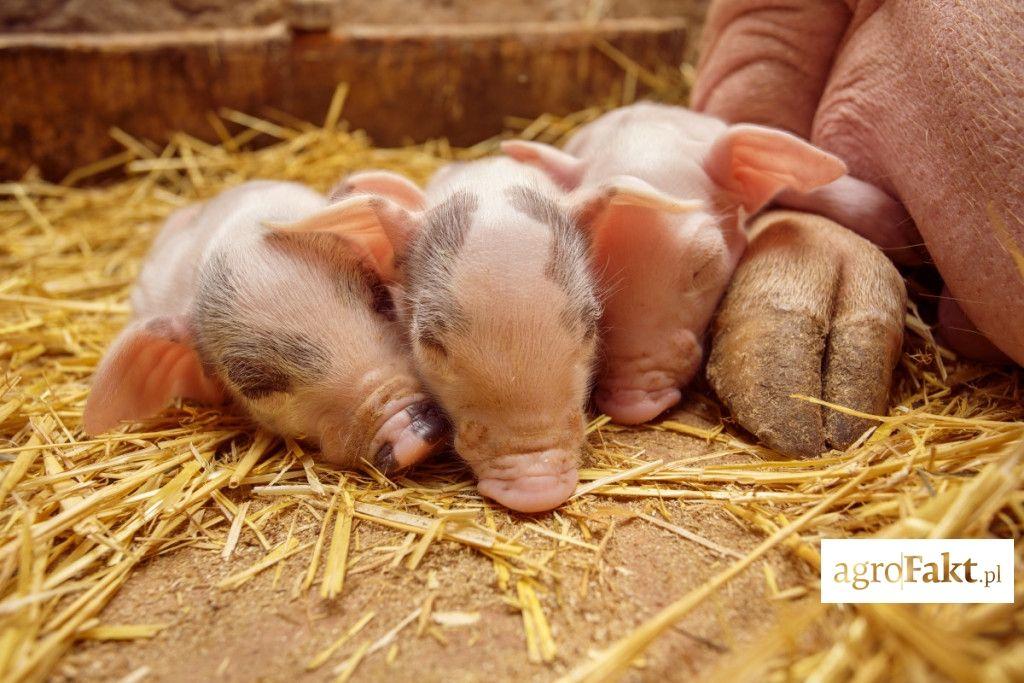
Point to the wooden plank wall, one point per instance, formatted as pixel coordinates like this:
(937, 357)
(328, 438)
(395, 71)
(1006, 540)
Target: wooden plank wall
(64, 92)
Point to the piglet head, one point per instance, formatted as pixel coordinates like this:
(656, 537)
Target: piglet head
(502, 317)
(301, 333)
(515, 385)
(361, 396)
(665, 248)
(504, 322)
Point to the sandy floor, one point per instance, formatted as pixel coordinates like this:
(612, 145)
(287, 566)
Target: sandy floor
(263, 631)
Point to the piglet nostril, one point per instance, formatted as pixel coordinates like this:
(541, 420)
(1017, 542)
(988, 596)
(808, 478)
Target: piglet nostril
(427, 421)
(385, 459)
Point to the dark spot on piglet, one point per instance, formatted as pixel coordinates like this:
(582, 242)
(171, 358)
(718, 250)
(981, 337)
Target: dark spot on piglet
(297, 352)
(566, 264)
(448, 222)
(255, 379)
(438, 244)
(269, 361)
(541, 208)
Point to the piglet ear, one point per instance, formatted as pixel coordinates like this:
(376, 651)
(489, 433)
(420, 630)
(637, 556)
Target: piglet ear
(562, 167)
(384, 183)
(150, 363)
(754, 163)
(596, 208)
(378, 229)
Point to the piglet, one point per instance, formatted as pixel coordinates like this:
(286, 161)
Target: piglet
(667, 244)
(295, 325)
(502, 314)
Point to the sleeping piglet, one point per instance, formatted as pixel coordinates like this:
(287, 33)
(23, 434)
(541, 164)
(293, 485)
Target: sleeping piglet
(668, 243)
(502, 312)
(295, 326)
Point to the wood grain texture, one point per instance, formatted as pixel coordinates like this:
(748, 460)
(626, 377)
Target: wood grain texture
(64, 92)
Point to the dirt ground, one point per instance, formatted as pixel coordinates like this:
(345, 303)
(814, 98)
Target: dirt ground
(263, 631)
(159, 15)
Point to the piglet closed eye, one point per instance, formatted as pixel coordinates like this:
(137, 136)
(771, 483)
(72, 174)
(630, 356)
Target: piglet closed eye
(262, 296)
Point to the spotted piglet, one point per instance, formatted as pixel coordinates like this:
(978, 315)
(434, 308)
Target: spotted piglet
(295, 325)
(502, 314)
(664, 264)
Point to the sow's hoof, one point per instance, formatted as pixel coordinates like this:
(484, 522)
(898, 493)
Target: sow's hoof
(815, 310)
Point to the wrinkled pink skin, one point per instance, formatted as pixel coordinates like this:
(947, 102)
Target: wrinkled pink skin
(664, 273)
(922, 101)
(353, 403)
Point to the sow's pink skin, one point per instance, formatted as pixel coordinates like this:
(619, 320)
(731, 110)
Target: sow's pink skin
(502, 314)
(924, 102)
(666, 247)
(236, 301)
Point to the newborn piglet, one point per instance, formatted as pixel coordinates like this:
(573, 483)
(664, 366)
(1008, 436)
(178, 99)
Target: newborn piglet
(502, 315)
(296, 326)
(665, 247)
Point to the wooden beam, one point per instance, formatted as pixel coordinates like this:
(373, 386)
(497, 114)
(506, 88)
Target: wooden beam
(64, 92)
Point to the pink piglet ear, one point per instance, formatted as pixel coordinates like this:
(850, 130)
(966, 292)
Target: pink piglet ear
(378, 229)
(384, 183)
(754, 163)
(150, 363)
(562, 167)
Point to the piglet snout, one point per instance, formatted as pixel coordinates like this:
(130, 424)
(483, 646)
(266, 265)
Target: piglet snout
(637, 386)
(409, 435)
(631, 406)
(530, 482)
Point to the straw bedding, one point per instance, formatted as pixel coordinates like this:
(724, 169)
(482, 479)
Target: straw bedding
(80, 517)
